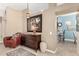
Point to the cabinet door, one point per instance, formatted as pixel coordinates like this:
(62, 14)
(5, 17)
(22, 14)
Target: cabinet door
(31, 41)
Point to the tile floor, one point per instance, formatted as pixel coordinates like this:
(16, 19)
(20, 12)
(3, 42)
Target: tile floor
(63, 49)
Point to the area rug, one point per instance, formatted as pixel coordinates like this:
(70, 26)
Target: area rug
(19, 52)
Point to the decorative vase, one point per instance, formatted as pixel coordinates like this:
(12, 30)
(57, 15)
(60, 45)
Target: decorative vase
(43, 47)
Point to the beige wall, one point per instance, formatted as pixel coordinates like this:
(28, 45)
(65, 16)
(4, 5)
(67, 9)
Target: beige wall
(14, 21)
(48, 25)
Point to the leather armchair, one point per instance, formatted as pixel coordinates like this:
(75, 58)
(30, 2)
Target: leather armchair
(12, 42)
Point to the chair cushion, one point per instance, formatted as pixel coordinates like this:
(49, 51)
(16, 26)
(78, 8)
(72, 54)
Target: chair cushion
(15, 36)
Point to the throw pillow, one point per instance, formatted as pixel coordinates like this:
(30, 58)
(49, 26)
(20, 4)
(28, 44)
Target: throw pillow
(14, 37)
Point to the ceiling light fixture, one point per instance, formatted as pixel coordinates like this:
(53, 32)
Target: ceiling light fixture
(27, 11)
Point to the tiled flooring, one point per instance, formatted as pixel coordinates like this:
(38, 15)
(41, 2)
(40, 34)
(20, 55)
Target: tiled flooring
(63, 49)
(67, 49)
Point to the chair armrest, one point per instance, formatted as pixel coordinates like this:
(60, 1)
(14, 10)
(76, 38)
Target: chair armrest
(7, 38)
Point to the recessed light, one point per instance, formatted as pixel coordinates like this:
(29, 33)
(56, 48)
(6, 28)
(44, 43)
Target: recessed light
(42, 10)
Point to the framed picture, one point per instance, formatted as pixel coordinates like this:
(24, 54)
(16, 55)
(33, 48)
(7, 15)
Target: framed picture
(34, 23)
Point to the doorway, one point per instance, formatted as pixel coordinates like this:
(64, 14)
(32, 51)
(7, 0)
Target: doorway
(66, 27)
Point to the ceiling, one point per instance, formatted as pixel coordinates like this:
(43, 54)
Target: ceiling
(21, 6)
(67, 8)
(34, 7)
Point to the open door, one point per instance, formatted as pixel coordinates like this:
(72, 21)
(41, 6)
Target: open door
(66, 27)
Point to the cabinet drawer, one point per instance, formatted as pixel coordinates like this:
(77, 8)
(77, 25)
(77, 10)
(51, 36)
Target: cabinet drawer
(32, 41)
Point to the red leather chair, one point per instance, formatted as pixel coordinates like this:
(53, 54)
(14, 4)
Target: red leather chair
(12, 42)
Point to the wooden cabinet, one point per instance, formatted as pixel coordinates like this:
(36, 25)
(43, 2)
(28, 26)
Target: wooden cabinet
(32, 41)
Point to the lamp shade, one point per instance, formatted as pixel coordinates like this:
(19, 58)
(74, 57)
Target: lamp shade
(28, 15)
(33, 28)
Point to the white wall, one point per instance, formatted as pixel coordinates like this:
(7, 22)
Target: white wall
(14, 21)
(49, 25)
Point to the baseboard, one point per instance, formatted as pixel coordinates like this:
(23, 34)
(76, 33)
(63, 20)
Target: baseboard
(51, 51)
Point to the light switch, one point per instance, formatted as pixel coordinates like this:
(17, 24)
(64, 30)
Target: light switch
(50, 33)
